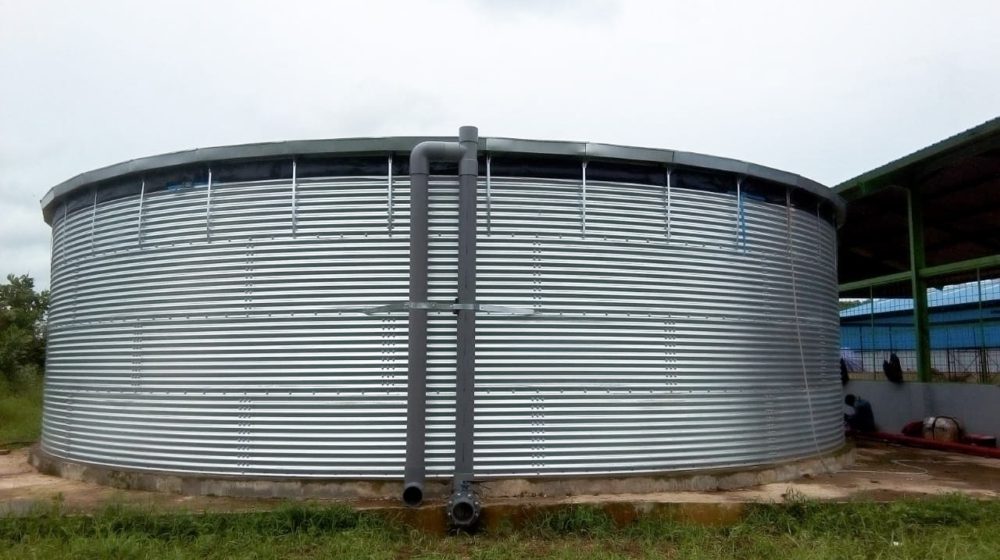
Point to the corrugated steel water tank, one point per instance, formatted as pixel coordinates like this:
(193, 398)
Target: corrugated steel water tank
(241, 311)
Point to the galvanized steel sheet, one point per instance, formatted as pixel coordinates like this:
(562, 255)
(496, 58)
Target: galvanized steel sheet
(257, 329)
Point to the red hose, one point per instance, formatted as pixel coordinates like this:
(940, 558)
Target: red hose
(990, 452)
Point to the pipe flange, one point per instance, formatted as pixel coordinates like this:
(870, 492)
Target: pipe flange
(463, 509)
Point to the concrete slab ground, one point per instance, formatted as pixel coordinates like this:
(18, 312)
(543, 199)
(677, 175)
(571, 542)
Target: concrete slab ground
(881, 473)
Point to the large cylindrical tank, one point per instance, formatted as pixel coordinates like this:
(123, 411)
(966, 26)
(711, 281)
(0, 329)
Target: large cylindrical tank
(241, 311)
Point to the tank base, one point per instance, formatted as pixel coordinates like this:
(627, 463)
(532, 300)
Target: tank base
(438, 490)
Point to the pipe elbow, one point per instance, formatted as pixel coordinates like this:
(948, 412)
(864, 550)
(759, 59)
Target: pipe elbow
(420, 158)
(425, 152)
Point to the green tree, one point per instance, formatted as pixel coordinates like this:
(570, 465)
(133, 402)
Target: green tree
(22, 327)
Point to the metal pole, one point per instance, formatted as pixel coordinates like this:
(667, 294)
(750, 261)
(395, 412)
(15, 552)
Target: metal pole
(921, 321)
(819, 232)
(667, 204)
(62, 249)
(741, 233)
(871, 322)
(208, 206)
(861, 347)
(583, 199)
(984, 364)
(138, 226)
(295, 196)
(93, 221)
(489, 197)
(389, 195)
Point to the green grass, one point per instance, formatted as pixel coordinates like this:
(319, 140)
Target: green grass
(20, 412)
(945, 527)
(948, 527)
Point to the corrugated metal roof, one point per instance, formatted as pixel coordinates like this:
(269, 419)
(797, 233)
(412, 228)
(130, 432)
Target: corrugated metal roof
(974, 134)
(955, 182)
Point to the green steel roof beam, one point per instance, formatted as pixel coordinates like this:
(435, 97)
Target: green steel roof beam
(926, 273)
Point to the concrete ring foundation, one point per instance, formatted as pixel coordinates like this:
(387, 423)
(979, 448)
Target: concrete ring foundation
(439, 489)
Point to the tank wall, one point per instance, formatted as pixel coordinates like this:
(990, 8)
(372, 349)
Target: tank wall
(252, 331)
(663, 339)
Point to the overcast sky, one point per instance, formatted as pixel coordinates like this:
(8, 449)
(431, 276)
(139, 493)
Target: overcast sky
(824, 89)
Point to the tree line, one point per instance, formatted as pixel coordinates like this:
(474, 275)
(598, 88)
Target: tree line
(22, 330)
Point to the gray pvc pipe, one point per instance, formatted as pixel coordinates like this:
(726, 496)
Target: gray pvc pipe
(468, 177)
(463, 508)
(415, 468)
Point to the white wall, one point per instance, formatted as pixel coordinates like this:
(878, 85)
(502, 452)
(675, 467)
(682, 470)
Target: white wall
(976, 406)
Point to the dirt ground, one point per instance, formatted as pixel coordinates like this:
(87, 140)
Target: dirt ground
(882, 472)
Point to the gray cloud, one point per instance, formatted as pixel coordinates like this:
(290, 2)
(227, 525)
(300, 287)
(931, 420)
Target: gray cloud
(24, 238)
(825, 90)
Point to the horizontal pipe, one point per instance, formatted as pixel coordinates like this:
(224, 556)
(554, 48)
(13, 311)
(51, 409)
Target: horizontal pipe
(991, 452)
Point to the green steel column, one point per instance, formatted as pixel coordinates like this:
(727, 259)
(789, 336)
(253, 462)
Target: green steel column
(921, 322)
(984, 359)
(871, 330)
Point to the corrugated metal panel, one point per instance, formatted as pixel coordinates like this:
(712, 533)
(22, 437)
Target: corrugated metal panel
(242, 350)
(207, 336)
(645, 352)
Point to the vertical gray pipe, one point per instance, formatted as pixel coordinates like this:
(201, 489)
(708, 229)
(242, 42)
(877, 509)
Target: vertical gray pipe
(416, 392)
(416, 388)
(468, 176)
(463, 507)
